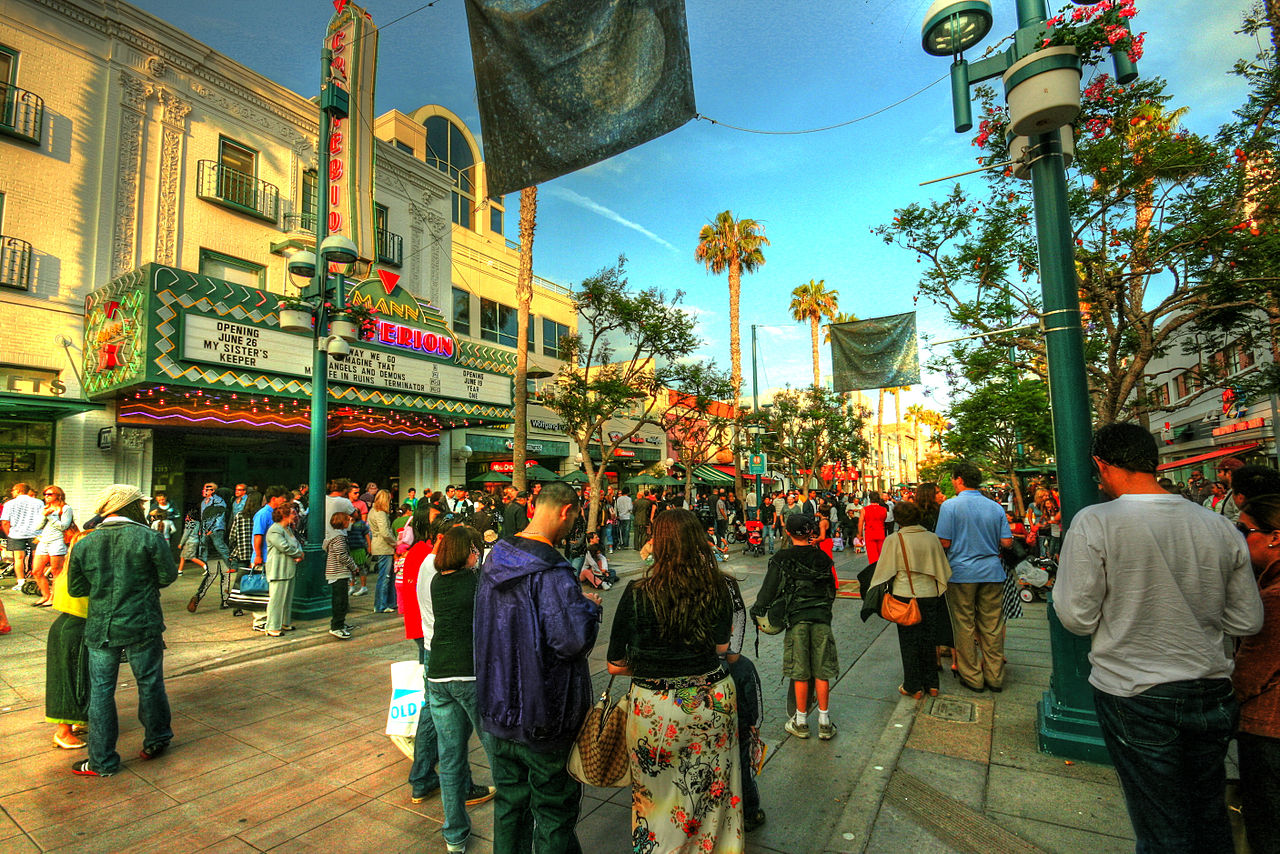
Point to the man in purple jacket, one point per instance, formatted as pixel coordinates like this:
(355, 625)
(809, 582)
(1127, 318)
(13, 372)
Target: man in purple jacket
(534, 628)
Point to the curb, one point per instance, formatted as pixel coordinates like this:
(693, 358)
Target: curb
(293, 645)
(853, 829)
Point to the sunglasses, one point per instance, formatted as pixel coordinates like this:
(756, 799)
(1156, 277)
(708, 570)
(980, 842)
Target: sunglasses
(1246, 530)
(51, 495)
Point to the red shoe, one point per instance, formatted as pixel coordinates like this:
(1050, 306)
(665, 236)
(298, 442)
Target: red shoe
(82, 769)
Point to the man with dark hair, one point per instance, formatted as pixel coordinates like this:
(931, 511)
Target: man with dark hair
(1251, 481)
(1157, 582)
(642, 512)
(973, 529)
(514, 516)
(624, 507)
(534, 628)
(1226, 470)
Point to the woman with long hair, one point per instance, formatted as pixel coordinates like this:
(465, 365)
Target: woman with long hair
(1257, 688)
(51, 548)
(382, 547)
(871, 526)
(929, 500)
(670, 631)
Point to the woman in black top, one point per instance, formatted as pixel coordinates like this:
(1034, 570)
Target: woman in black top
(669, 634)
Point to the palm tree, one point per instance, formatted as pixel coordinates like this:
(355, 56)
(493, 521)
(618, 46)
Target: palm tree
(915, 414)
(735, 245)
(812, 302)
(842, 317)
(524, 299)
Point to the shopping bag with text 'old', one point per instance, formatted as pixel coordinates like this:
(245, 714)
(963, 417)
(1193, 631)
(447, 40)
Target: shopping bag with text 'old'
(406, 698)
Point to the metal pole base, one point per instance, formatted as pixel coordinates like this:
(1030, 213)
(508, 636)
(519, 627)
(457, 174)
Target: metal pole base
(312, 599)
(1070, 732)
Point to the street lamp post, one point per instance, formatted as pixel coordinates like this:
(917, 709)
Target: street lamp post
(312, 600)
(1067, 723)
(755, 408)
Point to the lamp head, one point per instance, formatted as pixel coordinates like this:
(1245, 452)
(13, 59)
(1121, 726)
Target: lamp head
(338, 249)
(953, 26)
(302, 263)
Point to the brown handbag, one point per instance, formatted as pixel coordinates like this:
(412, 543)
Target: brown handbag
(895, 610)
(599, 756)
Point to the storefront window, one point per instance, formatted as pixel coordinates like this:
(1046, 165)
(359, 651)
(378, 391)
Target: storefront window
(552, 332)
(26, 452)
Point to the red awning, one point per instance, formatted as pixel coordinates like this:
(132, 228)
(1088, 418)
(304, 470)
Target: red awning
(1214, 454)
(729, 471)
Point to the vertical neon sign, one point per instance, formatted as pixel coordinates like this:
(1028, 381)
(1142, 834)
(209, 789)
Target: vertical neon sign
(353, 42)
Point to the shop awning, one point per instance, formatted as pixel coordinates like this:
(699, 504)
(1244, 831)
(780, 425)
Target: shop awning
(712, 474)
(1228, 451)
(728, 470)
(39, 408)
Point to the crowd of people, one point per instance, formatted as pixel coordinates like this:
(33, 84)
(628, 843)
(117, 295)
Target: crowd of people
(500, 594)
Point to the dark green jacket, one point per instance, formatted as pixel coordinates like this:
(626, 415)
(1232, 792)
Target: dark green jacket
(121, 566)
(802, 574)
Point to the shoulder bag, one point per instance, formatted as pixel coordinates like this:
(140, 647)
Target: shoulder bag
(895, 610)
(599, 756)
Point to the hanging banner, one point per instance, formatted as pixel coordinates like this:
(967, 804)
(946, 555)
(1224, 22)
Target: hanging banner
(353, 40)
(878, 353)
(562, 84)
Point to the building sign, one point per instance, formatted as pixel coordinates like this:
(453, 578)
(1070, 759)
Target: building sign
(529, 447)
(31, 381)
(1251, 424)
(507, 467)
(548, 426)
(623, 452)
(402, 320)
(225, 342)
(352, 39)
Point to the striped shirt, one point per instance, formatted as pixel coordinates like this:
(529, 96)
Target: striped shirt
(338, 565)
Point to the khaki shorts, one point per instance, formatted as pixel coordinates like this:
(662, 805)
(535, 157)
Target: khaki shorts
(809, 652)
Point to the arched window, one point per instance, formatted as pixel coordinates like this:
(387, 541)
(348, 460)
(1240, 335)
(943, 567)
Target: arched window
(448, 151)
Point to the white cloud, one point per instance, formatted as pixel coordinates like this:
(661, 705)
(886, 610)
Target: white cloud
(595, 207)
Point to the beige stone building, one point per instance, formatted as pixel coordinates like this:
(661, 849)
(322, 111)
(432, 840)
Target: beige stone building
(151, 193)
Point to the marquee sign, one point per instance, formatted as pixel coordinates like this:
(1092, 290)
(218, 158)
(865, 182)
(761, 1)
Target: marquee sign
(402, 320)
(352, 40)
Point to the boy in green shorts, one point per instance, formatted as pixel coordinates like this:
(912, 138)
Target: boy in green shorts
(805, 576)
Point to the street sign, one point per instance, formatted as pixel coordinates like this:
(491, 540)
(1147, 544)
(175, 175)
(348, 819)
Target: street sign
(755, 464)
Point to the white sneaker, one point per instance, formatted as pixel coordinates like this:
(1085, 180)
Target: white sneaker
(606, 585)
(340, 634)
(361, 592)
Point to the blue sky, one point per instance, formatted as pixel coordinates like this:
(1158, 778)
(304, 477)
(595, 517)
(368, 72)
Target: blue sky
(776, 65)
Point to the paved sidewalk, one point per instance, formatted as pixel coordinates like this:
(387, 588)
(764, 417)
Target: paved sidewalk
(285, 752)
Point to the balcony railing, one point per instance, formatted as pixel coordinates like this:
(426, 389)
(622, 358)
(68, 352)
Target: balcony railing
(300, 222)
(21, 113)
(15, 263)
(390, 248)
(239, 192)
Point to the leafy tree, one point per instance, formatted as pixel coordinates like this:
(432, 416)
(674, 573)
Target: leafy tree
(700, 422)
(811, 303)
(735, 246)
(1128, 211)
(628, 350)
(807, 428)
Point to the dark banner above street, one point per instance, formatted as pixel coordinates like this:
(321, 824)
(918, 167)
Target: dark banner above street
(563, 84)
(881, 352)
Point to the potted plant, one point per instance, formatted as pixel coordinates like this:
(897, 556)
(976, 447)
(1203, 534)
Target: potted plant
(353, 322)
(294, 314)
(1043, 88)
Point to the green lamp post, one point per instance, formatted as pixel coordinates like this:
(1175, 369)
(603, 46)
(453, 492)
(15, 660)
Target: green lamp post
(311, 599)
(1066, 721)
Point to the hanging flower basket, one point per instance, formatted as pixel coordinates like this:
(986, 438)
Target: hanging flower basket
(1021, 154)
(345, 327)
(294, 317)
(1043, 90)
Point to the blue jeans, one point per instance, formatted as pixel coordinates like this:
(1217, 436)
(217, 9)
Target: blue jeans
(384, 590)
(455, 715)
(146, 660)
(608, 536)
(426, 747)
(768, 538)
(624, 533)
(537, 806)
(1169, 744)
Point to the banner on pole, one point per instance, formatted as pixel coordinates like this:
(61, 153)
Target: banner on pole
(562, 84)
(878, 353)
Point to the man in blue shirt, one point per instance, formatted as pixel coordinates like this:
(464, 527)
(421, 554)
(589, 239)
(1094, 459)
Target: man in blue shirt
(973, 529)
(262, 520)
(238, 502)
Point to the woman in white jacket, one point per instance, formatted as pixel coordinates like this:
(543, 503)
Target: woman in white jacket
(913, 557)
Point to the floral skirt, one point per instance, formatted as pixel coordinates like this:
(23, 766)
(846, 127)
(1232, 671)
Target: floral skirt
(686, 787)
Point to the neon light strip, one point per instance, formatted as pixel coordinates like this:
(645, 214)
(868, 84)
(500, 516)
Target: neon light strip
(145, 413)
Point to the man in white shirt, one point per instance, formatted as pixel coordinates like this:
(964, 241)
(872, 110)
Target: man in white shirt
(336, 502)
(20, 522)
(624, 508)
(1157, 582)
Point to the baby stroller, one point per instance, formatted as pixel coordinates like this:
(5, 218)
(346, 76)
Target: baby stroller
(755, 538)
(1034, 577)
(737, 532)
